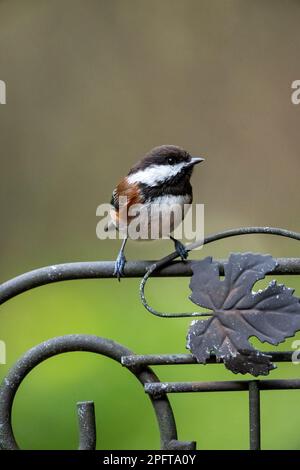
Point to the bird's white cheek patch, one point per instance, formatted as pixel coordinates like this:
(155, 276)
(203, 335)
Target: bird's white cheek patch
(155, 174)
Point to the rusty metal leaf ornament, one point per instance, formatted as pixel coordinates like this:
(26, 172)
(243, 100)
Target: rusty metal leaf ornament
(271, 315)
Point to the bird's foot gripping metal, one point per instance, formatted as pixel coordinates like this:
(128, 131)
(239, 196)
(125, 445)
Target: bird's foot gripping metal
(119, 266)
(235, 312)
(180, 249)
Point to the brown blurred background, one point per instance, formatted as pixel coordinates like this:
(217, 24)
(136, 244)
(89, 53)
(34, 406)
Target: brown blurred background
(92, 85)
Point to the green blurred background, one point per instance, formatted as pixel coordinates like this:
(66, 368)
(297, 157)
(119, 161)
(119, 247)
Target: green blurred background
(91, 86)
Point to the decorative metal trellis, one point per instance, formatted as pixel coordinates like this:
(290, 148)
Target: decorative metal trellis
(271, 304)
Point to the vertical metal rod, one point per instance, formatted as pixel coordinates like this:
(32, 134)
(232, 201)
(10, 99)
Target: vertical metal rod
(87, 425)
(254, 414)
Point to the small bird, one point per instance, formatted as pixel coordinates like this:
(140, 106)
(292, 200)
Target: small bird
(159, 181)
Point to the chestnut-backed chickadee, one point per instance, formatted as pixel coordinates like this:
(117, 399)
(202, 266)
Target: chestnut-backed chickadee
(160, 180)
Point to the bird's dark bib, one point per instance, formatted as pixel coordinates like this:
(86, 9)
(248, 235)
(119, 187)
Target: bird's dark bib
(181, 186)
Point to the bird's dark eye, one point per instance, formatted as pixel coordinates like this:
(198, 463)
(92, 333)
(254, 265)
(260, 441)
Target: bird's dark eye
(171, 161)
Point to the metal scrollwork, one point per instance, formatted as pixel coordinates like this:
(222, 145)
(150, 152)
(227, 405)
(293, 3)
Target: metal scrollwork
(273, 314)
(86, 415)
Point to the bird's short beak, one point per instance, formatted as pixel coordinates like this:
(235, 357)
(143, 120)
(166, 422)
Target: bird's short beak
(195, 161)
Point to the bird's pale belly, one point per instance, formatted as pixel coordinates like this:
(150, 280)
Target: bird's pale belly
(160, 216)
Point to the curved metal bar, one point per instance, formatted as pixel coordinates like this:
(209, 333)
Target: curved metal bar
(104, 269)
(165, 267)
(88, 343)
(211, 238)
(281, 232)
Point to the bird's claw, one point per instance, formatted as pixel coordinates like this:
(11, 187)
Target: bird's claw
(119, 266)
(180, 249)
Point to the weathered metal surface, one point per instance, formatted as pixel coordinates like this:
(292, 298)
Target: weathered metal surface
(63, 344)
(161, 264)
(254, 415)
(138, 365)
(104, 269)
(177, 359)
(157, 389)
(238, 313)
(87, 425)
